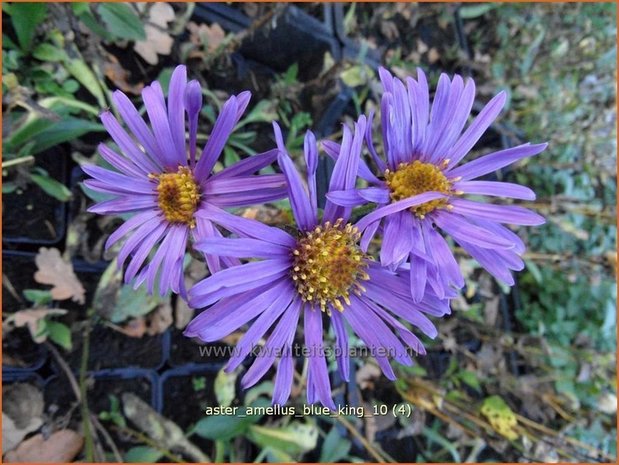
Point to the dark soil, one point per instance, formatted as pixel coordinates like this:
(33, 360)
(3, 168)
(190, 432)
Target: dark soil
(60, 400)
(111, 349)
(185, 350)
(31, 215)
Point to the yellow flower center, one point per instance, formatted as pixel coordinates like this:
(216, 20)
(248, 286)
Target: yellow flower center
(178, 196)
(328, 265)
(415, 178)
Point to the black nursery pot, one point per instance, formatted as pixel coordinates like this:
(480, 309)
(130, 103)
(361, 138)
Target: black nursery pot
(191, 352)
(60, 398)
(110, 349)
(184, 392)
(20, 352)
(34, 217)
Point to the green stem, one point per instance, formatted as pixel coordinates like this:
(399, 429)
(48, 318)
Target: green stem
(88, 442)
(220, 450)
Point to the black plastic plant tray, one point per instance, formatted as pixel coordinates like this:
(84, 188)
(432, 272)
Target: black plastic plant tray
(43, 221)
(59, 395)
(178, 395)
(110, 349)
(19, 268)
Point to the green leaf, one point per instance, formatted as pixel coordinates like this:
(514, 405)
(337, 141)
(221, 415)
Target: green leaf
(122, 21)
(82, 72)
(225, 387)
(441, 441)
(38, 297)
(223, 427)
(80, 7)
(294, 439)
(475, 11)
(133, 303)
(63, 131)
(470, 379)
(142, 454)
(25, 18)
(91, 23)
(335, 447)
(60, 334)
(48, 52)
(50, 185)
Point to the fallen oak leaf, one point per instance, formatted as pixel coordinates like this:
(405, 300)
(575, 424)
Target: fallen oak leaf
(31, 318)
(158, 41)
(61, 447)
(53, 270)
(120, 76)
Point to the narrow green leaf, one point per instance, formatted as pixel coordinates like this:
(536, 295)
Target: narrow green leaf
(60, 334)
(25, 18)
(82, 72)
(142, 454)
(51, 186)
(63, 131)
(122, 21)
(49, 52)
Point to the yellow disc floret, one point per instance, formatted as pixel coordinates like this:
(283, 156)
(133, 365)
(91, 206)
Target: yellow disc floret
(416, 178)
(178, 196)
(328, 265)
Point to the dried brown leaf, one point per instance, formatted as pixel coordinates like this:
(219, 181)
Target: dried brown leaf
(119, 76)
(159, 319)
(158, 41)
(53, 270)
(61, 447)
(31, 318)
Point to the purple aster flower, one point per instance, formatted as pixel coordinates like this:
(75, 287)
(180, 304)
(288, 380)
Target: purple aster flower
(423, 147)
(319, 269)
(161, 183)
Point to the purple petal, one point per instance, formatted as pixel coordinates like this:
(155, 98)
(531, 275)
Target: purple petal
(242, 248)
(124, 165)
(332, 149)
(239, 275)
(476, 129)
(496, 189)
(230, 314)
(258, 329)
(418, 277)
(459, 227)
(281, 336)
(138, 127)
(144, 249)
(126, 144)
(120, 181)
(238, 184)
(397, 239)
(369, 142)
(158, 117)
(311, 161)
(176, 110)
(346, 168)
(193, 105)
(248, 166)
(499, 213)
(396, 207)
(129, 203)
(299, 201)
(222, 129)
(342, 356)
(458, 120)
(317, 364)
(245, 227)
(349, 198)
(419, 99)
(495, 161)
